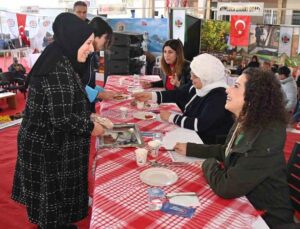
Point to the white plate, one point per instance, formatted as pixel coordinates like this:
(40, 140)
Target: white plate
(143, 115)
(158, 177)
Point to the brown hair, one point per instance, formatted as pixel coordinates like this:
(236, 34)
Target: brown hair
(263, 98)
(177, 46)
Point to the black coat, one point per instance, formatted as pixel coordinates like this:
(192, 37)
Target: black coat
(53, 148)
(206, 115)
(255, 168)
(184, 78)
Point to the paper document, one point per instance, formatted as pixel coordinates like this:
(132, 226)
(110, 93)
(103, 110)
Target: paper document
(180, 158)
(181, 135)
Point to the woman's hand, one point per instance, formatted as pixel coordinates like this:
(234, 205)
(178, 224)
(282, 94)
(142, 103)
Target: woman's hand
(174, 80)
(146, 84)
(180, 148)
(107, 95)
(164, 115)
(142, 96)
(98, 129)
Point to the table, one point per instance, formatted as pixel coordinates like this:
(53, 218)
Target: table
(120, 197)
(10, 98)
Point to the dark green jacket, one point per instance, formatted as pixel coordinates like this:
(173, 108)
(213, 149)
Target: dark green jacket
(255, 168)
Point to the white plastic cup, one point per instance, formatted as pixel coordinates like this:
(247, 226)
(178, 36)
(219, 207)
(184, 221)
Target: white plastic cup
(121, 80)
(154, 147)
(136, 79)
(124, 112)
(141, 156)
(140, 105)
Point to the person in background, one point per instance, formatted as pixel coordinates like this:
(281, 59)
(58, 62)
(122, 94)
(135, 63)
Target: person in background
(275, 68)
(54, 138)
(266, 66)
(258, 34)
(251, 163)
(17, 68)
(242, 66)
(289, 87)
(103, 38)
(80, 10)
(175, 70)
(202, 103)
(254, 63)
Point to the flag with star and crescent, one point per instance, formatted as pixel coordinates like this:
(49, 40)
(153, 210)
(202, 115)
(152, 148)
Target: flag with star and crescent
(239, 30)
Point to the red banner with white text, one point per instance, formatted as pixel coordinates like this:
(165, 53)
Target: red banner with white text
(239, 30)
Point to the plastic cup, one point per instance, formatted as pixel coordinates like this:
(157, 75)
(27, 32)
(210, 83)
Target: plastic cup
(141, 156)
(124, 112)
(121, 80)
(140, 105)
(154, 147)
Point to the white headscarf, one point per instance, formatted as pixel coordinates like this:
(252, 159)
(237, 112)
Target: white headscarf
(211, 72)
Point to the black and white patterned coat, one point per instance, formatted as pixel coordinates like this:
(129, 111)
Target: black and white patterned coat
(53, 147)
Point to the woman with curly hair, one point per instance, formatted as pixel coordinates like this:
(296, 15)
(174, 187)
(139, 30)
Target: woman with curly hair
(251, 162)
(175, 70)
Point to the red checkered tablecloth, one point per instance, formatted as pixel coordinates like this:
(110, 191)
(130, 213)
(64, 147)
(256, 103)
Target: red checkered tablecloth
(120, 197)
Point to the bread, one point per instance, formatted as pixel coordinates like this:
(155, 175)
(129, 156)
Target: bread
(105, 122)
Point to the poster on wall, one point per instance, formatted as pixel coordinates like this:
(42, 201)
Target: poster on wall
(264, 40)
(155, 31)
(285, 40)
(178, 25)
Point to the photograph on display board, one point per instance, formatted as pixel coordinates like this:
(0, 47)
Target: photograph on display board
(155, 31)
(264, 40)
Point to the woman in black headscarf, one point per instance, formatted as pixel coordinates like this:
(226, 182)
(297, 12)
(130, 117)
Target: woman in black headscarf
(53, 141)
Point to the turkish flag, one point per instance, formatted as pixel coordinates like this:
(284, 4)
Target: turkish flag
(239, 30)
(21, 19)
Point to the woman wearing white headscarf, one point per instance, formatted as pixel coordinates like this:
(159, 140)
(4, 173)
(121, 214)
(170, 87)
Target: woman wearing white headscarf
(202, 104)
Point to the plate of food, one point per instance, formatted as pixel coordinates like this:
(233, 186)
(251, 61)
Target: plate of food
(121, 135)
(120, 97)
(144, 115)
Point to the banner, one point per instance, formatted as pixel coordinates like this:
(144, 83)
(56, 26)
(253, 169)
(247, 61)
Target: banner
(178, 25)
(239, 30)
(12, 24)
(155, 31)
(21, 18)
(285, 40)
(241, 8)
(32, 25)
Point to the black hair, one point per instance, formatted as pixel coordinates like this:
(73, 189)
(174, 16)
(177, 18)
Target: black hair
(79, 3)
(284, 70)
(100, 28)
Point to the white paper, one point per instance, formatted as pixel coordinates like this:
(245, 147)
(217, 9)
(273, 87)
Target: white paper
(180, 158)
(187, 201)
(181, 135)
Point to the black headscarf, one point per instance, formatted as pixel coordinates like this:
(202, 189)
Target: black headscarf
(70, 32)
